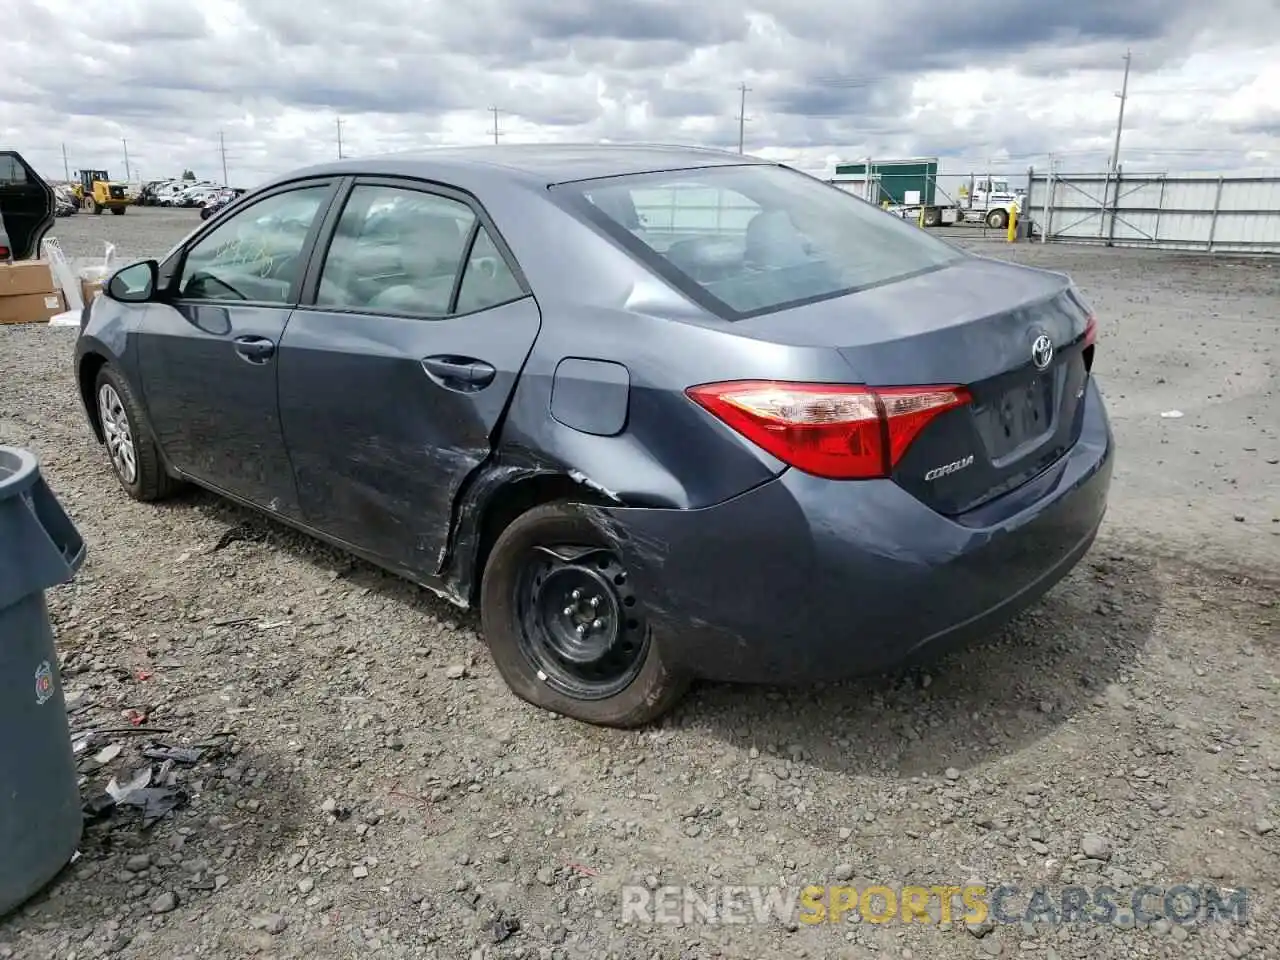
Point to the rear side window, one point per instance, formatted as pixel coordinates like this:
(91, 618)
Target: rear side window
(487, 280)
(395, 251)
(11, 171)
(402, 251)
(752, 239)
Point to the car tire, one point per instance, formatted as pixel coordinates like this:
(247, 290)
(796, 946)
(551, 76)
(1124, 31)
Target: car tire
(515, 611)
(997, 219)
(118, 408)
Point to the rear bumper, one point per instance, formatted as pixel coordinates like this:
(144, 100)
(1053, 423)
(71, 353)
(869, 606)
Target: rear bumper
(806, 579)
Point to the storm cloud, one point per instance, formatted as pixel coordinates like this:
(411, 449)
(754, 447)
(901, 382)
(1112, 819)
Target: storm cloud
(997, 82)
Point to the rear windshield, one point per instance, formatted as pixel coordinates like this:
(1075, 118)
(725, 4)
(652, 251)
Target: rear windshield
(747, 240)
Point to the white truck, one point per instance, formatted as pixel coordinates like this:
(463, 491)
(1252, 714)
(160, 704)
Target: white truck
(914, 191)
(979, 199)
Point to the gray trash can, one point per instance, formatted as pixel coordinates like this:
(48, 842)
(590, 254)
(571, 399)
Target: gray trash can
(40, 810)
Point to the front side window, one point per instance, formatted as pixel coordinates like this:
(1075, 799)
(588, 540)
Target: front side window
(257, 254)
(396, 250)
(756, 238)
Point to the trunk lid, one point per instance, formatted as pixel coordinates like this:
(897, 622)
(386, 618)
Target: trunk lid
(979, 323)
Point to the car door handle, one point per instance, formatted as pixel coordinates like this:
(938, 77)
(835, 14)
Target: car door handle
(255, 349)
(464, 374)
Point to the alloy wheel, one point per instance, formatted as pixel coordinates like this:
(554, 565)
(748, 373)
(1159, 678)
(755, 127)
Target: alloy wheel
(119, 434)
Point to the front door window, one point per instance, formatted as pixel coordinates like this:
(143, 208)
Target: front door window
(256, 255)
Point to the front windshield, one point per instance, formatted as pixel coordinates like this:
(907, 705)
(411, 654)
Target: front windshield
(751, 239)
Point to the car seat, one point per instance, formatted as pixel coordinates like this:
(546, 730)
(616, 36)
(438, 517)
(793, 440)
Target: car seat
(773, 242)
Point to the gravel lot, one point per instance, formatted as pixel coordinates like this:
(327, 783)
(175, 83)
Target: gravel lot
(377, 792)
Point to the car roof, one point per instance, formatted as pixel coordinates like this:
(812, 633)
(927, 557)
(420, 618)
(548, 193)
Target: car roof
(543, 164)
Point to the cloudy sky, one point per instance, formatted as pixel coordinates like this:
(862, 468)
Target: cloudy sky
(998, 84)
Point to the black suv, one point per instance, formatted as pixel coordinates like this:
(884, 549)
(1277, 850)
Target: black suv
(27, 208)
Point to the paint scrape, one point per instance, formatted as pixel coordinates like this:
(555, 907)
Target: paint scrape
(582, 478)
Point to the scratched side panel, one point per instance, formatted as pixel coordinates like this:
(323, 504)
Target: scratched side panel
(379, 448)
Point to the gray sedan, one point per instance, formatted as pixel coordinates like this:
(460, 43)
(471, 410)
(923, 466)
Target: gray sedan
(660, 413)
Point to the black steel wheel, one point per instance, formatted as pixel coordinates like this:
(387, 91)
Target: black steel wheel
(580, 622)
(566, 627)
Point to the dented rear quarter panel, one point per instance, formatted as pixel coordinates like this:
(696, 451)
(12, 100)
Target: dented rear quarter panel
(599, 304)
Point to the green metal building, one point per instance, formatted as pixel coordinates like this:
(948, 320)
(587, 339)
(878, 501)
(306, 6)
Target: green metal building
(895, 178)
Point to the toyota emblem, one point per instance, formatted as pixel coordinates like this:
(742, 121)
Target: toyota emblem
(1042, 352)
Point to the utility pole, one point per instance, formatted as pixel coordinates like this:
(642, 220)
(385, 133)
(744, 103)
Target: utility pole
(66, 168)
(743, 89)
(126, 158)
(222, 147)
(1123, 95)
(496, 134)
(338, 121)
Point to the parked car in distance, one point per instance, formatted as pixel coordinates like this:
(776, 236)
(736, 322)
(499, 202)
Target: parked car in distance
(178, 193)
(195, 194)
(217, 201)
(149, 195)
(732, 423)
(28, 208)
(167, 194)
(65, 200)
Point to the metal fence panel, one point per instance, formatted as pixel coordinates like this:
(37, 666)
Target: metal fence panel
(1167, 211)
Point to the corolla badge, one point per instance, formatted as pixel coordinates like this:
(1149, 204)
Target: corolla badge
(949, 468)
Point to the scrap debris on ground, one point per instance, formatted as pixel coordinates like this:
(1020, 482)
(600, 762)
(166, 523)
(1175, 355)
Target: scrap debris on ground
(341, 773)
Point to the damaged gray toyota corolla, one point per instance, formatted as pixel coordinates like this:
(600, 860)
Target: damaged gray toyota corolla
(662, 413)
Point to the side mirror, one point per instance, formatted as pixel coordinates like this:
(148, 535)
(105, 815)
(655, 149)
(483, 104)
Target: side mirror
(135, 283)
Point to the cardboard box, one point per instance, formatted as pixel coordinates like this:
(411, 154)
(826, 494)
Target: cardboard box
(31, 308)
(90, 289)
(26, 278)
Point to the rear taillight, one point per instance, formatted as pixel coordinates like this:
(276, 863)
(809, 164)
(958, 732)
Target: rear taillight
(4, 252)
(1090, 338)
(829, 430)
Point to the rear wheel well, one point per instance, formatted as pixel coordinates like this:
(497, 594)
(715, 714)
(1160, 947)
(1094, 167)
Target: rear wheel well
(513, 501)
(90, 365)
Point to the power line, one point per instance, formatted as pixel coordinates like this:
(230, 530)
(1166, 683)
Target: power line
(845, 83)
(495, 111)
(743, 90)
